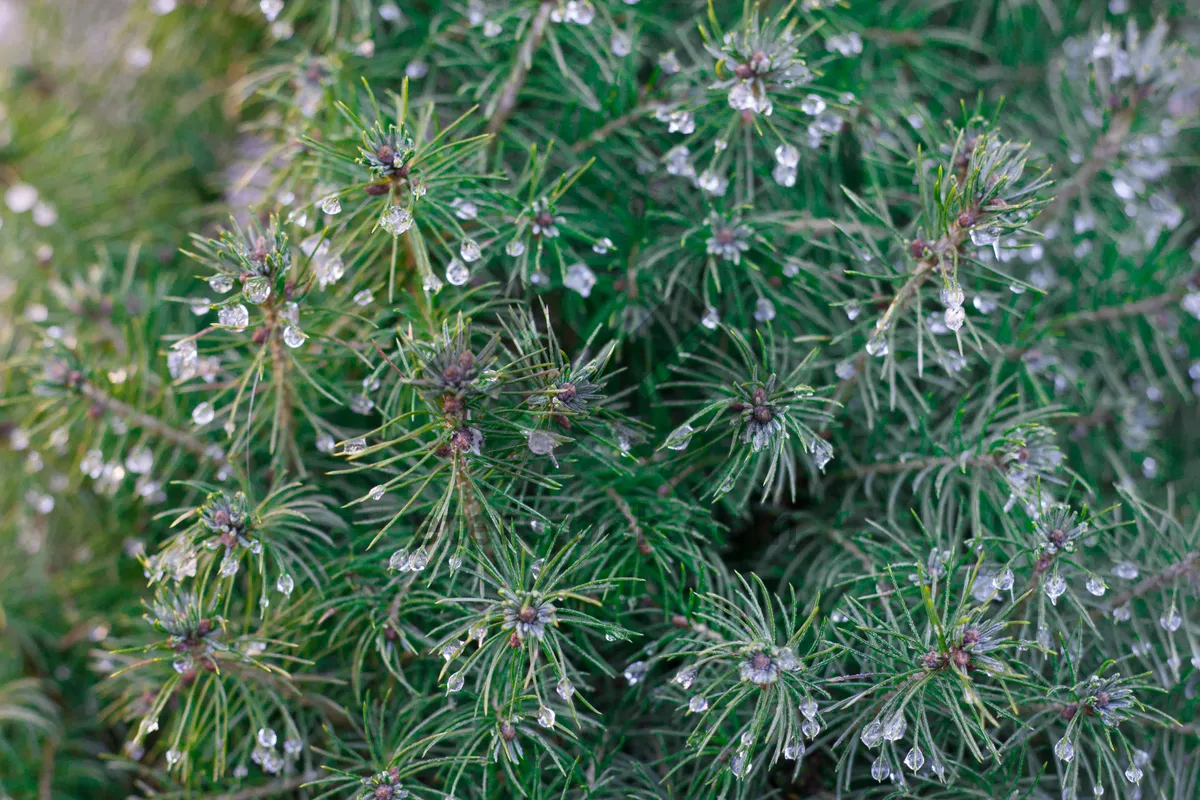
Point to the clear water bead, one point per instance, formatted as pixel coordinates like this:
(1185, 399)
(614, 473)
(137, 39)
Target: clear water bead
(740, 764)
(1133, 774)
(285, 585)
(257, 290)
(364, 298)
(698, 704)
(877, 346)
(810, 728)
(470, 251)
(355, 446)
(565, 689)
(881, 770)
(812, 105)
(455, 683)
(1171, 620)
(787, 155)
(893, 729)
(983, 305)
(793, 749)
(293, 336)
(680, 437)
(1096, 586)
(1064, 749)
(173, 757)
(635, 672)
(376, 493)
(266, 737)
(915, 759)
(331, 205)
(515, 248)
(872, 734)
(602, 246)
(955, 317)
(686, 677)
(764, 310)
(986, 236)
(546, 717)
(236, 318)
(1126, 571)
(432, 284)
(1056, 586)
(221, 284)
(457, 273)
(579, 278)
(203, 413)
(396, 220)
(541, 443)
(711, 318)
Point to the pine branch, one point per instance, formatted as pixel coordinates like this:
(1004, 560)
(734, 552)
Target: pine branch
(512, 88)
(273, 789)
(149, 423)
(1134, 308)
(1189, 562)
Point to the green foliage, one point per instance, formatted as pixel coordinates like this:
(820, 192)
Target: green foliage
(600, 398)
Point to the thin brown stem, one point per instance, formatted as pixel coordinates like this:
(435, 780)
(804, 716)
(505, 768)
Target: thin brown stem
(894, 467)
(1180, 568)
(516, 80)
(148, 423)
(273, 789)
(611, 127)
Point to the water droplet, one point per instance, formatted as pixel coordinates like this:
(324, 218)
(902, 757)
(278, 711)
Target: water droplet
(396, 220)
(1133, 774)
(565, 689)
(579, 278)
(1064, 749)
(203, 414)
(546, 717)
(285, 584)
(376, 492)
(1126, 571)
(1096, 586)
(1171, 620)
(293, 336)
(355, 446)
(364, 298)
(635, 672)
(457, 273)
(793, 749)
(915, 759)
(680, 437)
(470, 251)
(257, 290)
(455, 683)
(881, 770)
(515, 248)
(266, 737)
(235, 317)
(686, 677)
(698, 704)
(331, 205)
(1056, 586)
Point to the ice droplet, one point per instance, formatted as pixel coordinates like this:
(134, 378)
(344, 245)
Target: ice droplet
(1064, 749)
(915, 759)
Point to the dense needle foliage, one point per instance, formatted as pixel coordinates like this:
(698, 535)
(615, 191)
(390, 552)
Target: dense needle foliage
(600, 399)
